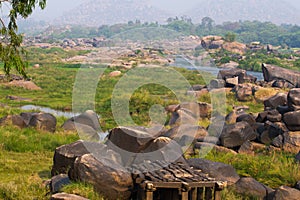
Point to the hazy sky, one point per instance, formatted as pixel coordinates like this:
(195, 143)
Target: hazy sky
(56, 8)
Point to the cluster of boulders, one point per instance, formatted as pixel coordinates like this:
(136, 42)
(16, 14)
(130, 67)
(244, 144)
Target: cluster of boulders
(39, 120)
(279, 124)
(218, 42)
(18, 81)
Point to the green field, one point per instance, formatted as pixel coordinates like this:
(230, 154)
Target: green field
(26, 154)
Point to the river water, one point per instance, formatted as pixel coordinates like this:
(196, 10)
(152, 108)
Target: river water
(187, 64)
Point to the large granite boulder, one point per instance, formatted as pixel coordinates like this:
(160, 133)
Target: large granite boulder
(88, 118)
(249, 186)
(294, 99)
(41, 121)
(216, 84)
(279, 99)
(217, 170)
(59, 181)
(291, 142)
(108, 177)
(228, 74)
(273, 73)
(129, 141)
(234, 135)
(65, 156)
(286, 193)
(292, 120)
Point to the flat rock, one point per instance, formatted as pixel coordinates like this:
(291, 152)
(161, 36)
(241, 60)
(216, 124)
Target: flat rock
(287, 193)
(234, 135)
(217, 170)
(292, 120)
(279, 99)
(65, 196)
(294, 99)
(249, 186)
(273, 73)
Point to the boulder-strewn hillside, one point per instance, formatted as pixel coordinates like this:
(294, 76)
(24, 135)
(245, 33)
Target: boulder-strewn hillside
(99, 12)
(276, 11)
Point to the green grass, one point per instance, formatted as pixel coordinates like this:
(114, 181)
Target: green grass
(273, 170)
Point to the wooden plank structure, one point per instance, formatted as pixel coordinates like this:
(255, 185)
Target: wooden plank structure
(175, 181)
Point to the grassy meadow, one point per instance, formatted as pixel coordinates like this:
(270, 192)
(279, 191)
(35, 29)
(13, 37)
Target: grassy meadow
(26, 154)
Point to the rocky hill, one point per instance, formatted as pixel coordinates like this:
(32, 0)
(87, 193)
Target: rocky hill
(99, 12)
(276, 11)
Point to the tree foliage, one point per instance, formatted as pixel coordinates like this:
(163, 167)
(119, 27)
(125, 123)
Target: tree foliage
(11, 52)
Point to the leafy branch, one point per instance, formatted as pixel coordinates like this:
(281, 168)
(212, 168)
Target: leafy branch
(11, 52)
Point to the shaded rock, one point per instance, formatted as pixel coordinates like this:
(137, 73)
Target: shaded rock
(217, 170)
(16, 120)
(216, 83)
(235, 72)
(282, 84)
(209, 139)
(243, 92)
(65, 196)
(297, 185)
(279, 99)
(128, 141)
(278, 141)
(65, 156)
(271, 131)
(58, 181)
(291, 142)
(286, 193)
(43, 121)
(186, 134)
(292, 120)
(163, 149)
(294, 99)
(246, 148)
(234, 135)
(283, 109)
(274, 116)
(273, 73)
(297, 157)
(249, 186)
(247, 118)
(108, 177)
(237, 111)
(89, 118)
(260, 128)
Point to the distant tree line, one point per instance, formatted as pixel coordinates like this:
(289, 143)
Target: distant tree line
(242, 31)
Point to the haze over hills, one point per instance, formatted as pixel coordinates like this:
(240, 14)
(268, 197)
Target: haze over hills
(99, 12)
(276, 11)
